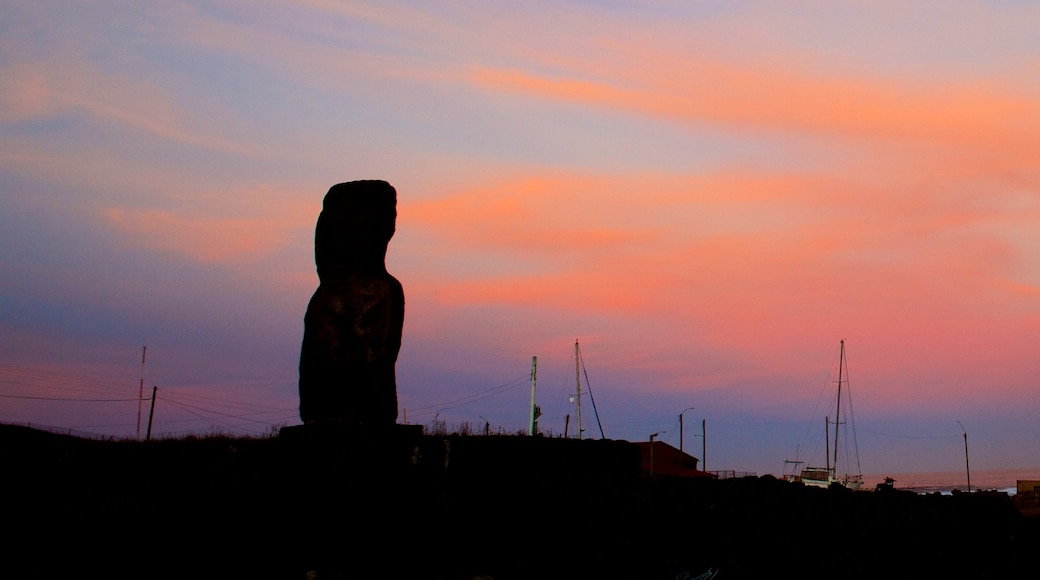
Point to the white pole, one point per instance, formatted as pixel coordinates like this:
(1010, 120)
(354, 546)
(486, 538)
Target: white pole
(577, 379)
(534, 413)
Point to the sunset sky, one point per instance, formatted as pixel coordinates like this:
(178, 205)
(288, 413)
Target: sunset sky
(707, 196)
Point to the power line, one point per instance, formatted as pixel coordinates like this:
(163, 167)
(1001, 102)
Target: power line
(68, 399)
(53, 381)
(473, 398)
(187, 407)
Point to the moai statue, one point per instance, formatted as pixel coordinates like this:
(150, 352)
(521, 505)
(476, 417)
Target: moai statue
(352, 328)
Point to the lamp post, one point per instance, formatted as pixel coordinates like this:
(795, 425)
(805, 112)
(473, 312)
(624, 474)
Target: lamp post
(967, 468)
(652, 437)
(681, 431)
(487, 426)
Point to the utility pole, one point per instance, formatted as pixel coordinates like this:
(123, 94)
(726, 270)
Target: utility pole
(704, 446)
(140, 392)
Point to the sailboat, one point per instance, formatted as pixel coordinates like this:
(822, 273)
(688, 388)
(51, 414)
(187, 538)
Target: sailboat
(830, 474)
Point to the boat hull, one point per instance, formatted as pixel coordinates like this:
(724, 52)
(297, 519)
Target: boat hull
(825, 483)
(819, 477)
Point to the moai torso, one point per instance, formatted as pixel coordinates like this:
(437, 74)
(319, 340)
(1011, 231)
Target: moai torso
(352, 328)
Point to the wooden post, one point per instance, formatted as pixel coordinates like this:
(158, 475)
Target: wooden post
(967, 467)
(150, 415)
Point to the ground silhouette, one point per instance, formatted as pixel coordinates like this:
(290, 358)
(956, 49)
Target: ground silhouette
(336, 503)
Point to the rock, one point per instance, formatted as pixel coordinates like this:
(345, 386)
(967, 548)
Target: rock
(353, 324)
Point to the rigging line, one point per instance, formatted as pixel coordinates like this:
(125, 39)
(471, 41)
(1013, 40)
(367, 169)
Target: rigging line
(812, 421)
(68, 399)
(812, 425)
(911, 436)
(852, 415)
(581, 359)
(560, 394)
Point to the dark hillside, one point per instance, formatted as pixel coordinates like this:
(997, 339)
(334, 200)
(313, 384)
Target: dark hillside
(399, 504)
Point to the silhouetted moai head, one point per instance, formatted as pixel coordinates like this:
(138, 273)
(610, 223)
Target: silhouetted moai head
(354, 227)
(353, 324)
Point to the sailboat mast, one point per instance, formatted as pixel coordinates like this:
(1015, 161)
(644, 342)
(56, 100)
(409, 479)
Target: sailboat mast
(837, 417)
(827, 440)
(577, 380)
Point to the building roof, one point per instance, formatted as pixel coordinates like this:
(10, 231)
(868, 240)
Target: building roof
(667, 461)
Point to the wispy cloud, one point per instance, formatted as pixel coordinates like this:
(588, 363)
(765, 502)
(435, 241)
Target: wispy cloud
(215, 231)
(959, 114)
(43, 91)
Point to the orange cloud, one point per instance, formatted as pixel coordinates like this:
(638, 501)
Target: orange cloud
(553, 213)
(732, 260)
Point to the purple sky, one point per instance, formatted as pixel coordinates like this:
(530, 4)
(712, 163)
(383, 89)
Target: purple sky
(708, 196)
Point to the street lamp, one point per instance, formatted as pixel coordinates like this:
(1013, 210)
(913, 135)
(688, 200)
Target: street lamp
(487, 425)
(652, 437)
